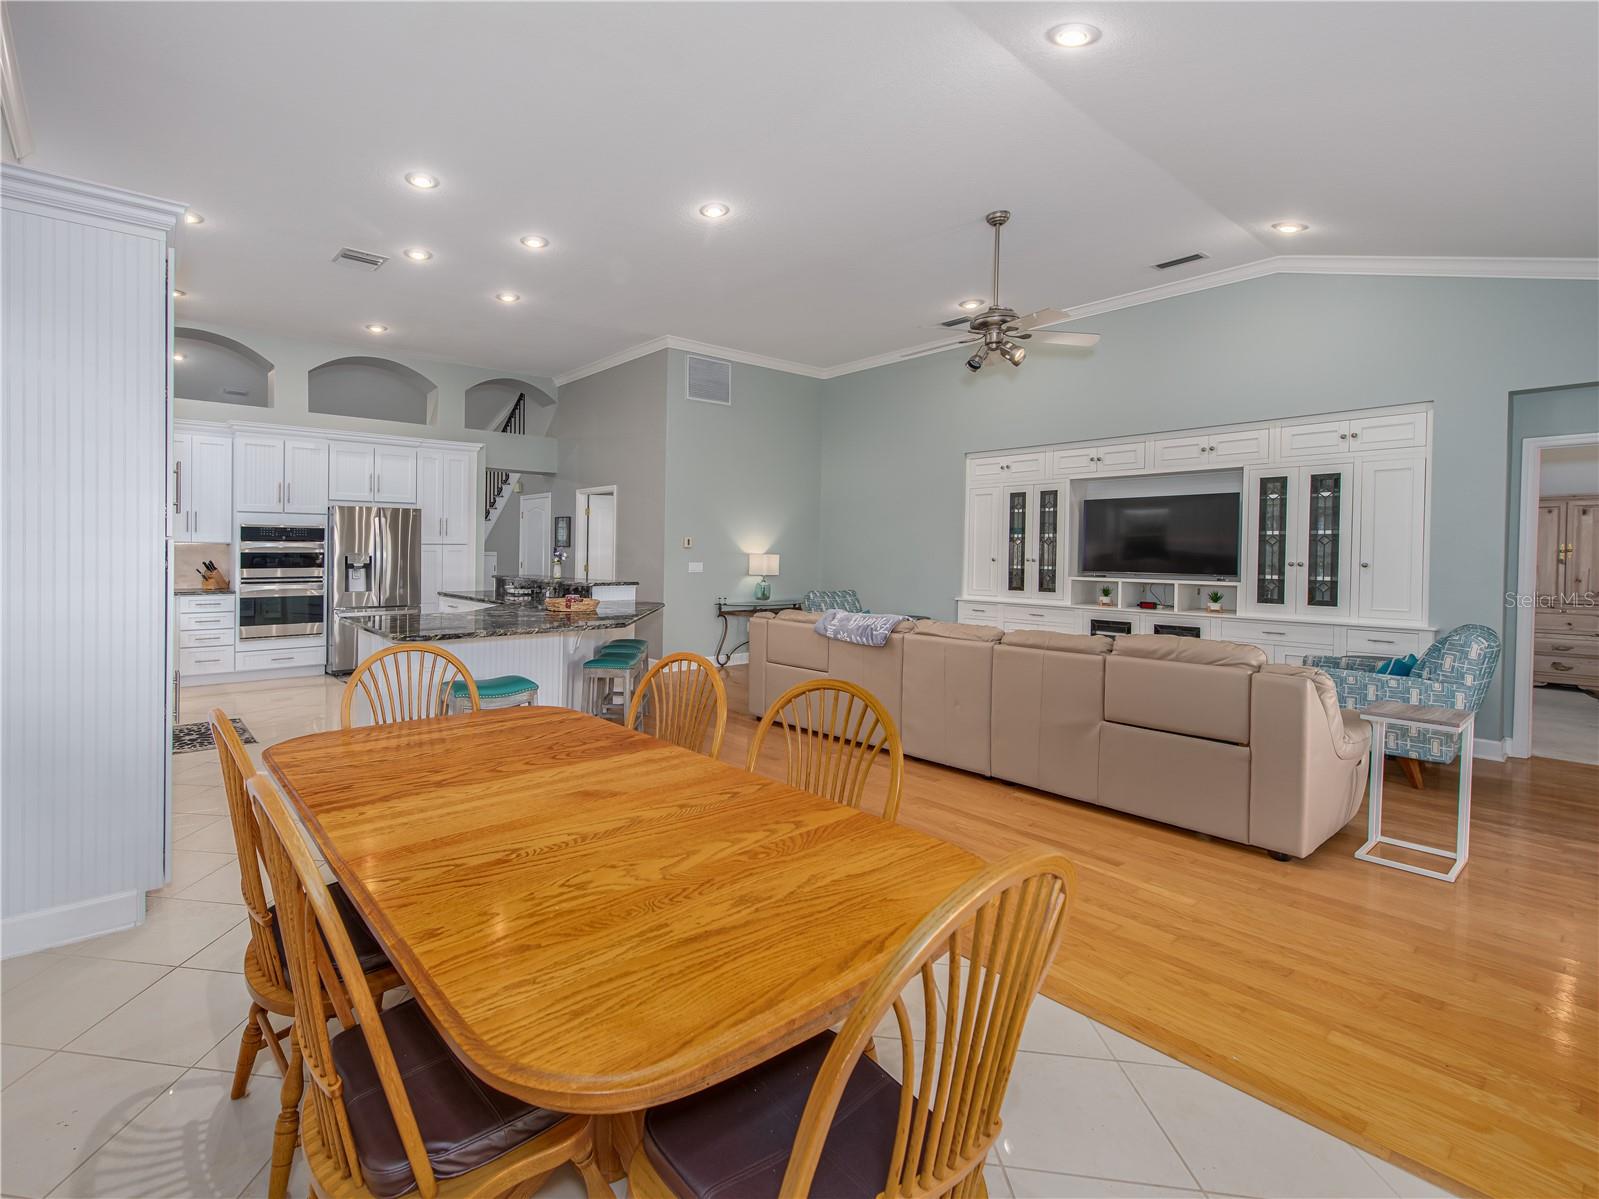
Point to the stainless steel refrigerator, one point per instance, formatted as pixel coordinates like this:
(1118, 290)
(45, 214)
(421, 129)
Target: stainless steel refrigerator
(374, 558)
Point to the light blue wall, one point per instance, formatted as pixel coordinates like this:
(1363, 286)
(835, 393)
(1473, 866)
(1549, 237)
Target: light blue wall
(1537, 414)
(740, 480)
(893, 438)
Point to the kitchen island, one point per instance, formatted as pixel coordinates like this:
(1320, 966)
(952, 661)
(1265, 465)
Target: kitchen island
(503, 638)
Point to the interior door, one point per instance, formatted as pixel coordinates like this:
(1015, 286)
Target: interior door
(982, 541)
(1549, 552)
(599, 555)
(533, 536)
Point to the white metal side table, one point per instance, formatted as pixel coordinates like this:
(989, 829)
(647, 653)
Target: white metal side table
(1449, 721)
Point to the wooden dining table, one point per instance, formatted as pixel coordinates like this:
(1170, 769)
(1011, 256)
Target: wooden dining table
(598, 921)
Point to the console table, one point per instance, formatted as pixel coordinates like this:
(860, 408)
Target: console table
(1451, 722)
(746, 608)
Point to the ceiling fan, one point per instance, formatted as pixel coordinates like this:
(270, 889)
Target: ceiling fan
(1000, 329)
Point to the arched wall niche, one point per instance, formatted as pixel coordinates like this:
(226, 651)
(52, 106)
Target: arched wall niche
(209, 366)
(371, 389)
(488, 402)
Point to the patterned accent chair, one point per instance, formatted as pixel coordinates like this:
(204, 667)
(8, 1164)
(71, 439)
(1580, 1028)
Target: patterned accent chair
(1453, 673)
(821, 601)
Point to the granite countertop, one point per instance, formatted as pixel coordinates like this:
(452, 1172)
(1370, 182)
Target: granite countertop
(502, 620)
(572, 579)
(201, 591)
(481, 597)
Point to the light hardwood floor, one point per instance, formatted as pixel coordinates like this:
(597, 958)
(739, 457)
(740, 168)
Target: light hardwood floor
(1450, 1029)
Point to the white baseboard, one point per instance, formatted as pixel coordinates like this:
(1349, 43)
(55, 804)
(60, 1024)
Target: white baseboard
(1488, 750)
(52, 927)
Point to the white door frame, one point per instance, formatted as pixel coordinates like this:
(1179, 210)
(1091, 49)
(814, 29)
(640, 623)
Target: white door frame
(521, 523)
(1520, 745)
(580, 522)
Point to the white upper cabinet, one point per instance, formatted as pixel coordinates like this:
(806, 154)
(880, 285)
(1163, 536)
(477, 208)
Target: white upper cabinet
(1313, 439)
(1297, 539)
(1009, 468)
(202, 500)
(1388, 431)
(1097, 459)
(305, 475)
(1390, 579)
(1191, 451)
(982, 541)
(258, 473)
(445, 493)
(362, 473)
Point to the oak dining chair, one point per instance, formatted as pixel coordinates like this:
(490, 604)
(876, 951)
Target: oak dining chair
(266, 978)
(824, 1119)
(409, 682)
(391, 1107)
(682, 700)
(833, 734)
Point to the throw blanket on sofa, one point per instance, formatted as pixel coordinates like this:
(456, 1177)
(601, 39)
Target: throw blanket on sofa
(858, 628)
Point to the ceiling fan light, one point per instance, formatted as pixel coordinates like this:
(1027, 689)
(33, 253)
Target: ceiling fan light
(1012, 353)
(975, 362)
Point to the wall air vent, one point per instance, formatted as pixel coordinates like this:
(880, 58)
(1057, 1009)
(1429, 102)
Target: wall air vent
(1183, 261)
(710, 380)
(364, 259)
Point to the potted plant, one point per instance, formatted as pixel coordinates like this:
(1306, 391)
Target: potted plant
(1104, 597)
(1213, 602)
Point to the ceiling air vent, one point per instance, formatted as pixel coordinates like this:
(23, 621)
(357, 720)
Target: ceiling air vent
(1183, 261)
(364, 259)
(710, 380)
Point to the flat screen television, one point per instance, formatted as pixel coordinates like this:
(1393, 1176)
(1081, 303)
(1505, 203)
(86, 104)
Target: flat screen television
(1190, 535)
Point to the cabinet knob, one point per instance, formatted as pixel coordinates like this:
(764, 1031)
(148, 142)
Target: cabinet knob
(1343, 437)
(1354, 437)
(1366, 565)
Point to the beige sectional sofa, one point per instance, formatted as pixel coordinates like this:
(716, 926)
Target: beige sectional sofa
(1204, 735)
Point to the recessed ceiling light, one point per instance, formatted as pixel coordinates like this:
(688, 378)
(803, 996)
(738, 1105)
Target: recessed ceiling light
(193, 218)
(377, 328)
(178, 293)
(1290, 226)
(714, 211)
(422, 180)
(418, 255)
(1073, 35)
(507, 297)
(180, 357)
(971, 305)
(534, 242)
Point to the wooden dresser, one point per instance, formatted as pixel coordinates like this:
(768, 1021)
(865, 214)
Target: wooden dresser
(1566, 635)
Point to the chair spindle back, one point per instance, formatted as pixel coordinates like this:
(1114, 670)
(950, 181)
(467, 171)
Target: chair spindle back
(407, 682)
(237, 768)
(833, 734)
(681, 700)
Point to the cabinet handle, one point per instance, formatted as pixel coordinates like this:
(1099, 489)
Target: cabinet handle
(369, 482)
(284, 659)
(288, 493)
(1379, 641)
(280, 493)
(177, 487)
(1271, 633)
(208, 659)
(380, 483)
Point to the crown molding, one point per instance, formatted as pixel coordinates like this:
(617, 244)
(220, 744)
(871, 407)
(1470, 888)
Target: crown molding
(1288, 264)
(645, 348)
(24, 187)
(13, 107)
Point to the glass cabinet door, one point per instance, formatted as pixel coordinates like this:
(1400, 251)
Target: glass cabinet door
(1016, 539)
(1326, 509)
(1049, 541)
(1271, 541)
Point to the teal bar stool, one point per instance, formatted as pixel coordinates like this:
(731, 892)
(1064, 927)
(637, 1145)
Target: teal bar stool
(608, 681)
(502, 691)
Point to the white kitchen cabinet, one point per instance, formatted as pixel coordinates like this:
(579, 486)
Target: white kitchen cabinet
(305, 475)
(1009, 468)
(1232, 447)
(446, 495)
(1032, 540)
(258, 473)
(1388, 431)
(1115, 457)
(202, 487)
(1391, 517)
(1313, 439)
(366, 473)
(1297, 539)
(982, 541)
(445, 568)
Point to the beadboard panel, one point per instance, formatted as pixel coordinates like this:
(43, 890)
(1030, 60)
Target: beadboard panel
(83, 614)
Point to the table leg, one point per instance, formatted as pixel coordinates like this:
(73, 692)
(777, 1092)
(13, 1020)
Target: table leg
(1379, 759)
(1468, 739)
(615, 1139)
(721, 641)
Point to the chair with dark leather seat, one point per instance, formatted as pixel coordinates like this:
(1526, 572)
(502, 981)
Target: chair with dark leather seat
(391, 1108)
(266, 970)
(823, 1119)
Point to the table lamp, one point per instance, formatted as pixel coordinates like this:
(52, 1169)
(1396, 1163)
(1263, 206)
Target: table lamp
(763, 565)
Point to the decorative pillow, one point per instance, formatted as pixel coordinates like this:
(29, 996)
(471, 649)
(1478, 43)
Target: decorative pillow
(1397, 666)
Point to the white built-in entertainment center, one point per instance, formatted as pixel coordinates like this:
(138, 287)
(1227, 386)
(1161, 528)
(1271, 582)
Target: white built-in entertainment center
(1332, 549)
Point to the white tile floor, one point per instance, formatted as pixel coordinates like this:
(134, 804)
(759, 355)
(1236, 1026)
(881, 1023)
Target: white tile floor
(1565, 725)
(118, 1056)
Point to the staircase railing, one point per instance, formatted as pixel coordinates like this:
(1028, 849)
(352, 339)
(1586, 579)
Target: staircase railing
(495, 480)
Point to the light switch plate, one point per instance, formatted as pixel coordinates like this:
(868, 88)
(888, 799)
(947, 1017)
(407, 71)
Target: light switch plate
(696, 568)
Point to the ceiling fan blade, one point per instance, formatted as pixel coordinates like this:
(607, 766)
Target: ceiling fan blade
(956, 323)
(947, 345)
(1066, 339)
(1044, 316)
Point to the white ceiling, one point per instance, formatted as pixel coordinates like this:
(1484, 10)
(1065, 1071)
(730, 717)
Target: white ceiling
(859, 145)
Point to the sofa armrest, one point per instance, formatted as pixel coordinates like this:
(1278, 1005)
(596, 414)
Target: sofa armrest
(1307, 763)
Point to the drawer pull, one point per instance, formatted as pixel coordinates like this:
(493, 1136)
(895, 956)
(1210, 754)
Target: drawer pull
(1271, 633)
(1560, 666)
(208, 659)
(288, 658)
(1564, 649)
(1379, 640)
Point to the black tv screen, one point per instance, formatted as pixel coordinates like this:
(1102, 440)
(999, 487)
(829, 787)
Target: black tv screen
(1195, 535)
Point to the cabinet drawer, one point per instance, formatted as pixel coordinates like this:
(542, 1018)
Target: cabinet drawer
(1313, 439)
(1015, 617)
(194, 621)
(1128, 455)
(1269, 633)
(1382, 641)
(1401, 431)
(1559, 668)
(200, 640)
(206, 603)
(1565, 646)
(278, 659)
(205, 661)
(1568, 622)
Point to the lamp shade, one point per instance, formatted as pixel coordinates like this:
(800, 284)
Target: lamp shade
(763, 564)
